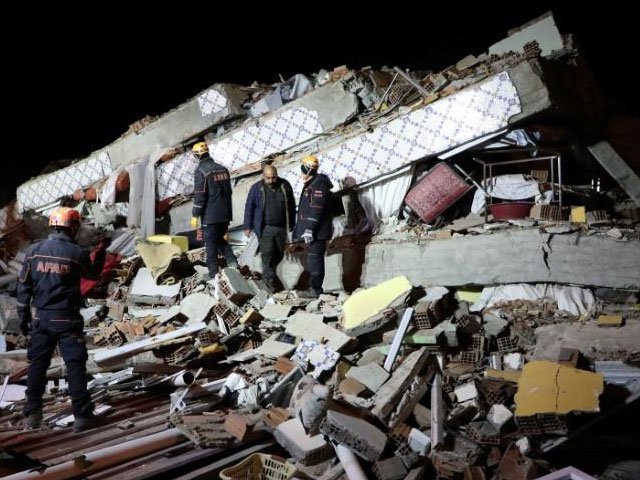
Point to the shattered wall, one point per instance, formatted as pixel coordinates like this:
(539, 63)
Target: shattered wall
(215, 105)
(299, 121)
(48, 188)
(434, 128)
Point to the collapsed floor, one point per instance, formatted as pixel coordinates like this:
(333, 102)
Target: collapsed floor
(482, 311)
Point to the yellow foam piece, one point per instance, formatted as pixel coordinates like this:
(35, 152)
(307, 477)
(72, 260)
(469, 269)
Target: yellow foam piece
(365, 304)
(211, 349)
(179, 240)
(548, 387)
(578, 215)
(471, 296)
(610, 321)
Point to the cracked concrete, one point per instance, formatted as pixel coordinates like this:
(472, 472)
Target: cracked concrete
(511, 256)
(548, 387)
(183, 122)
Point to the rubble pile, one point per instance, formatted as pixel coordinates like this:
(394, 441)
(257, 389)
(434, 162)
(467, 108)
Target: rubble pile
(409, 379)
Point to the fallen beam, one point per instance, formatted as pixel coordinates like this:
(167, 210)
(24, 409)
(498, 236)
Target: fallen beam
(130, 349)
(104, 458)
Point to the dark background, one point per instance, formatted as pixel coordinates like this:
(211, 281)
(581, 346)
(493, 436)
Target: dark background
(75, 80)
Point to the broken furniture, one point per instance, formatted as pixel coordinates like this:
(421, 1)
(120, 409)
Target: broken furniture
(489, 163)
(435, 192)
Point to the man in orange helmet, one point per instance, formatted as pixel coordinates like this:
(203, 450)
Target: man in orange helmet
(49, 283)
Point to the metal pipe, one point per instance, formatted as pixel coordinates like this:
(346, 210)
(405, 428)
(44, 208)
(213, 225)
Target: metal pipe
(437, 412)
(495, 361)
(559, 182)
(397, 340)
(104, 458)
(386, 92)
(183, 379)
(415, 84)
(350, 463)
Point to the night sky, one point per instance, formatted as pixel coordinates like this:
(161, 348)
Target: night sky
(73, 86)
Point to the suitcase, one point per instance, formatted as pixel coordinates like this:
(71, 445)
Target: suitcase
(435, 192)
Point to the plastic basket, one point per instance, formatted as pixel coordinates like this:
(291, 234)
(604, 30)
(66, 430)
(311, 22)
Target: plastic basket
(259, 466)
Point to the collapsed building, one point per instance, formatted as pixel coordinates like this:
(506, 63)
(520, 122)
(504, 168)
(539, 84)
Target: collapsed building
(483, 280)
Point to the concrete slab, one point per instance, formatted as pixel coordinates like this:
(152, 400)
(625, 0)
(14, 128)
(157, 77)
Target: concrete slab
(594, 343)
(371, 375)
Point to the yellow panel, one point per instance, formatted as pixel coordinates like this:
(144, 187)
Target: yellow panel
(365, 304)
(578, 215)
(610, 321)
(179, 240)
(471, 296)
(547, 387)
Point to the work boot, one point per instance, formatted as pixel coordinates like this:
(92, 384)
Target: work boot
(308, 293)
(34, 419)
(81, 424)
(230, 258)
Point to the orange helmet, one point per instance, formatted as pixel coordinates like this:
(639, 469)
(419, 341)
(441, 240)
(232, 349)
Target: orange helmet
(63, 217)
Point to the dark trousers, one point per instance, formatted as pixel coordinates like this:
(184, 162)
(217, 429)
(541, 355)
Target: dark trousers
(315, 264)
(215, 245)
(64, 329)
(272, 243)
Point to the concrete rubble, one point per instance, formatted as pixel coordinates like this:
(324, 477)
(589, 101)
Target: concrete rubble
(453, 347)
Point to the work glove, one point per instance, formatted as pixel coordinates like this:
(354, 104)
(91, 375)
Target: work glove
(194, 222)
(25, 322)
(307, 236)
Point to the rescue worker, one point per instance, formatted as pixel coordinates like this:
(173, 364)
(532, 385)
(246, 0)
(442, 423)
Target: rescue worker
(212, 207)
(314, 224)
(270, 213)
(50, 284)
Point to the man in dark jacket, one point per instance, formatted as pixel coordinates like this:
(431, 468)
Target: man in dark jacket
(314, 224)
(212, 205)
(50, 283)
(270, 213)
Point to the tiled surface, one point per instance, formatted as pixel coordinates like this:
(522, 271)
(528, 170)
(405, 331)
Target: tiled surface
(176, 176)
(211, 102)
(122, 208)
(432, 129)
(48, 188)
(435, 128)
(259, 139)
(318, 355)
